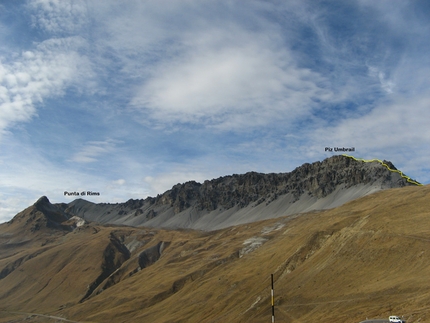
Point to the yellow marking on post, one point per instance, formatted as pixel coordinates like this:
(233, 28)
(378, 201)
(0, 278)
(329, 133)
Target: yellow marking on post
(408, 179)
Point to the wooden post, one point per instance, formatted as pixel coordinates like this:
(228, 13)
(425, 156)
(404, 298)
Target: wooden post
(273, 301)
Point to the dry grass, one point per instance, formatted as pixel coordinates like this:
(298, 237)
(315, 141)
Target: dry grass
(367, 258)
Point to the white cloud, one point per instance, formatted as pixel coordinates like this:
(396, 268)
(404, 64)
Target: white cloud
(36, 75)
(219, 78)
(94, 149)
(193, 63)
(386, 84)
(120, 182)
(399, 123)
(57, 16)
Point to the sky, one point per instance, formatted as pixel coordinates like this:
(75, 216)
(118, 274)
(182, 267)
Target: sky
(128, 98)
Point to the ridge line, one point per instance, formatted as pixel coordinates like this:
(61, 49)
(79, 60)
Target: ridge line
(408, 179)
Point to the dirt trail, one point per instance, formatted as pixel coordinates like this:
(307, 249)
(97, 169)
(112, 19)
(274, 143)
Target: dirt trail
(33, 315)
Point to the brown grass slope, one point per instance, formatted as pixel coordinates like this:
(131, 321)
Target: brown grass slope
(367, 258)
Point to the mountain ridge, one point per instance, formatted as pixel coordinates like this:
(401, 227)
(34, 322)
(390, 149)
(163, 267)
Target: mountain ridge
(236, 199)
(232, 199)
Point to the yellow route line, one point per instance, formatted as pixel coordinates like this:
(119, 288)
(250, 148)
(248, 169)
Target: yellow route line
(383, 164)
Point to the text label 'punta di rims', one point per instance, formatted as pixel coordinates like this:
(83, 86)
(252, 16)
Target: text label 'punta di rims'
(83, 193)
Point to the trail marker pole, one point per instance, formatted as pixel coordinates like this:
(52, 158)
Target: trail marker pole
(273, 301)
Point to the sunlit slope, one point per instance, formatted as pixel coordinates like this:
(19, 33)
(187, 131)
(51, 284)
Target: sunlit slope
(367, 258)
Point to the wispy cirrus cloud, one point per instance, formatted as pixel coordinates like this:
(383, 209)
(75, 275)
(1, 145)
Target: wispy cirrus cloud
(92, 150)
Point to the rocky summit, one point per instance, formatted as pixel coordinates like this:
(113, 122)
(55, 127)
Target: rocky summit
(238, 199)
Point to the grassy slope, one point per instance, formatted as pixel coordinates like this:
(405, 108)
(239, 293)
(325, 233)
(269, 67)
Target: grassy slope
(367, 258)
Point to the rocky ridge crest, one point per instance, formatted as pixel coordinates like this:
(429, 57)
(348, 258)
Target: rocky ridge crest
(193, 200)
(319, 179)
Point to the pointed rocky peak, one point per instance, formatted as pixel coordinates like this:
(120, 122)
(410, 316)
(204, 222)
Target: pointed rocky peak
(51, 211)
(42, 202)
(42, 214)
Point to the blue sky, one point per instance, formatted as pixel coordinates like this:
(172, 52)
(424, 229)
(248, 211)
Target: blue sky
(127, 98)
